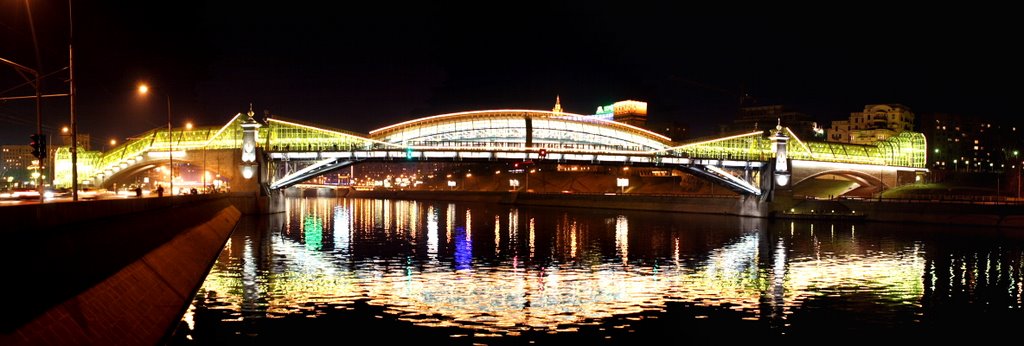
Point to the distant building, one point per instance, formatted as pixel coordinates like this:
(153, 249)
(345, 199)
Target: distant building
(15, 157)
(755, 118)
(83, 140)
(965, 144)
(631, 112)
(558, 105)
(626, 112)
(875, 123)
(677, 131)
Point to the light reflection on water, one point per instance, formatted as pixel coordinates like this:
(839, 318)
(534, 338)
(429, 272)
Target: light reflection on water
(432, 264)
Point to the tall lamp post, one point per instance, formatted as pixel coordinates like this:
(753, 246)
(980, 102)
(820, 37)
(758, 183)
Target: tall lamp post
(71, 102)
(144, 90)
(188, 127)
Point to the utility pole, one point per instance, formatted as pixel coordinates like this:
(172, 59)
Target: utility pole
(204, 159)
(39, 100)
(71, 98)
(170, 139)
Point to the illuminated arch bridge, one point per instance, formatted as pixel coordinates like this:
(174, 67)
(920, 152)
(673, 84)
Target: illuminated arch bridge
(492, 135)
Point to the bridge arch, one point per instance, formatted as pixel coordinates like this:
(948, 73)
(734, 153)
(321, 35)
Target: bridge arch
(517, 128)
(862, 178)
(220, 162)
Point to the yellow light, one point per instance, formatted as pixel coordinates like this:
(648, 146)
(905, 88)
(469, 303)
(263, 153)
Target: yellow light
(188, 125)
(64, 129)
(113, 142)
(143, 89)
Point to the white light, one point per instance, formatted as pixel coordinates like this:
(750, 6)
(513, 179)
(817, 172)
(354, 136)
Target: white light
(782, 179)
(248, 172)
(621, 182)
(451, 183)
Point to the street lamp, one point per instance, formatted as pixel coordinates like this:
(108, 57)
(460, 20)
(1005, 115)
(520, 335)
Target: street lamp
(188, 126)
(144, 90)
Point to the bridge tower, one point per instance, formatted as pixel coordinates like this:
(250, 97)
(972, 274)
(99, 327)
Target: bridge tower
(250, 134)
(781, 164)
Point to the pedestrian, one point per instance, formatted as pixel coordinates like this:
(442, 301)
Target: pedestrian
(138, 191)
(159, 190)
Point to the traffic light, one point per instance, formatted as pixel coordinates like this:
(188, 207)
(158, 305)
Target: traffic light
(543, 153)
(38, 145)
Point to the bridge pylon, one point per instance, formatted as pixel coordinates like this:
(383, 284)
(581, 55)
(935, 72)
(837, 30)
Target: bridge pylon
(780, 166)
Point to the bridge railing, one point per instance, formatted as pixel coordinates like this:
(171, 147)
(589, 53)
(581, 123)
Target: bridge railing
(322, 147)
(712, 154)
(503, 144)
(925, 198)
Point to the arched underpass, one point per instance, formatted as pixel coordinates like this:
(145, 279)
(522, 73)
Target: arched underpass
(835, 183)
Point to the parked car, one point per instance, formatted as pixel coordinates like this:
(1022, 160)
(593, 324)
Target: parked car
(25, 194)
(88, 193)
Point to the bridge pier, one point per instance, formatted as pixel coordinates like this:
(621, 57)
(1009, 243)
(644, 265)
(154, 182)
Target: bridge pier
(272, 203)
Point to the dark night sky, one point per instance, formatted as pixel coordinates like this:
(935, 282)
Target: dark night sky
(367, 66)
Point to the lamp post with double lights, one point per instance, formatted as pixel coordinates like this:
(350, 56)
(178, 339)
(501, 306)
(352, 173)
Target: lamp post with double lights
(144, 90)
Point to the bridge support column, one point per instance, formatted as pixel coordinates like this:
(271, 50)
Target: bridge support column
(780, 170)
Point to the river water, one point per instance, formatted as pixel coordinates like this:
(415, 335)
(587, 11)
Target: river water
(463, 273)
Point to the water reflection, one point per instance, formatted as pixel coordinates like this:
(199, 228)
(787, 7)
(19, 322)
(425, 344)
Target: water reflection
(587, 268)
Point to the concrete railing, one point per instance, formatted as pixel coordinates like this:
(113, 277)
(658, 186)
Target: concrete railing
(28, 217)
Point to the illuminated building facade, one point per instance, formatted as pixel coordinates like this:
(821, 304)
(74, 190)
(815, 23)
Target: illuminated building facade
(875, 123)
(13, 157)
(631, 112)
(626, 112)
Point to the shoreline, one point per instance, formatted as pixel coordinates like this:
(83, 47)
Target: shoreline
(902, 211)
